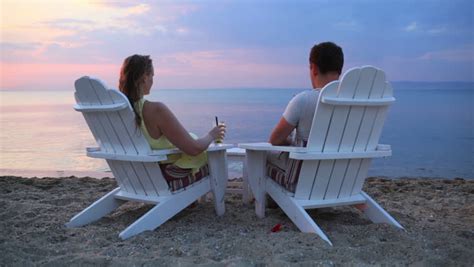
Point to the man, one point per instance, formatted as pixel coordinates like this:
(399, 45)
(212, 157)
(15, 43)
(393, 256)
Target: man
(325, 65)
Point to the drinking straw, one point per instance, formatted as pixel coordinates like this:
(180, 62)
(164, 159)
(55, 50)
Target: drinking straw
(217, 121)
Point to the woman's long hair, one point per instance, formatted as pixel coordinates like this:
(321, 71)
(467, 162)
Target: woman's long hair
(131, 78)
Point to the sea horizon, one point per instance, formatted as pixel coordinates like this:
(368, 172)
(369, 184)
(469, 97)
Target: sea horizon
(397, 85)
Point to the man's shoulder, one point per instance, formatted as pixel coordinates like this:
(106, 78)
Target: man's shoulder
(306, 95)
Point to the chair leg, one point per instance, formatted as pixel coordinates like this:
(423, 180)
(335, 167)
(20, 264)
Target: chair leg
(260, 208)
(256, 162)
(246, 193)
(219, 206)
(155, 217)
(295, 212)
(97, 210)
(166, 209)
(377, 214)
(219, 178)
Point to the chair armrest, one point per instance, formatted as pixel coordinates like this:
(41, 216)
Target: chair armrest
(235, 152)
(219, 147)
(95, 152)
(302, 153)
(270, 147)
(212, 147)
(154, 156)
(380, 151)
(382, 147)
(164, 152)
(98, 108)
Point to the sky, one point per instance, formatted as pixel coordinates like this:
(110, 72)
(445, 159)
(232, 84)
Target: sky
(47, 44)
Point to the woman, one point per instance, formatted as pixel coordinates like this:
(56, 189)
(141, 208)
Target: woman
(162, 129)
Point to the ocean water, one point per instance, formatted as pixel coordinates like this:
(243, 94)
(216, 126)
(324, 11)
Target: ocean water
(430, 127)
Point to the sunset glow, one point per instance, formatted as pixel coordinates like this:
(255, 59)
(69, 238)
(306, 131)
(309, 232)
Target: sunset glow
(207, 44)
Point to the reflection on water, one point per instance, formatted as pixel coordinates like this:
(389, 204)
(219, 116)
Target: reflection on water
(45, 138)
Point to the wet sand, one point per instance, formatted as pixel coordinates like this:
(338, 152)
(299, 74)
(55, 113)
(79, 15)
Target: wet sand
(438, 216)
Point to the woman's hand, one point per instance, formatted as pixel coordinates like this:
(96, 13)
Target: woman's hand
(218, 132)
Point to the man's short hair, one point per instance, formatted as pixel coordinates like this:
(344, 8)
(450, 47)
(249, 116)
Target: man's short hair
(328, 57)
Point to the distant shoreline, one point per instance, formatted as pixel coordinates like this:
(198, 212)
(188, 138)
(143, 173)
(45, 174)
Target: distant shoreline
(54, 174)
(465, 85)
(69, 173)
(99, 175)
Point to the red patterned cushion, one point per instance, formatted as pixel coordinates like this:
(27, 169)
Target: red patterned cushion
(178, 178)
(287, 178)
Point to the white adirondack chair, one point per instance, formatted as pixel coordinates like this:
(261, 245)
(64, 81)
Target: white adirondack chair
(134, 165)
(343, 140)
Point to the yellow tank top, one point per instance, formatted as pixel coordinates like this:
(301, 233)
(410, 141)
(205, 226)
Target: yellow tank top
(181, 160)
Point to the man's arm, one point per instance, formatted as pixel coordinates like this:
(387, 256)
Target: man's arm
(279, 135)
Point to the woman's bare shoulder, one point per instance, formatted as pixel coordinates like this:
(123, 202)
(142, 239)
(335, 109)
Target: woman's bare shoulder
(155, 106)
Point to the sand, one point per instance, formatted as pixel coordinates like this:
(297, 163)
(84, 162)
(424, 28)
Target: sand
(438, 216)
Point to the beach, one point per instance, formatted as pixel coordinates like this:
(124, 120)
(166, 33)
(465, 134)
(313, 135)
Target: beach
(438, 216)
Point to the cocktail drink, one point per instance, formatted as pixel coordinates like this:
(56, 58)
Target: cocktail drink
(220, 140)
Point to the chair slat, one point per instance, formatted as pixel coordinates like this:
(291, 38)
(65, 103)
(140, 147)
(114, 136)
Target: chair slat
(322, 179)
(145, 179)
(327, 187)
(349, 178)
(337, 178)
(378, 86)
(379, 119)
(100, 108)
(354, 119)
(365, 129)
(86, 96)
(119, 175)
(136, 142)
(97, 94)
(366, 80)
(94, 131)
(322, 118)
(132, 176)
(118, 139)
(356, 102)
(337, 127)
(361, 176)
(157, 178)
(330, 143)
(309, 169)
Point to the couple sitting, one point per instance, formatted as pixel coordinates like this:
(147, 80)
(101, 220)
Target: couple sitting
(163, 130)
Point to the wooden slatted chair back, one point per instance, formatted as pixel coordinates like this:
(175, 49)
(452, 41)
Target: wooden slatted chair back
(349, 117)
(114, 129)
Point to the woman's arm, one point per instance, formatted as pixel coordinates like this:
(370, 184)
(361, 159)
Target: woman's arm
(169, 125)
(279, 135)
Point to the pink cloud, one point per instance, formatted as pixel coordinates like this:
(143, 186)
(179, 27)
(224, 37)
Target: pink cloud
(24, 76)
(201, 69)
(225, 68)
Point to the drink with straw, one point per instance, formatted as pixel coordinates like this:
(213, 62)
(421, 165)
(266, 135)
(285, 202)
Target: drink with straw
(219, 140)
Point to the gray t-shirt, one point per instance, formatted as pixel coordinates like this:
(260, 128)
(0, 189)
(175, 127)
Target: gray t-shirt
(300, 112)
